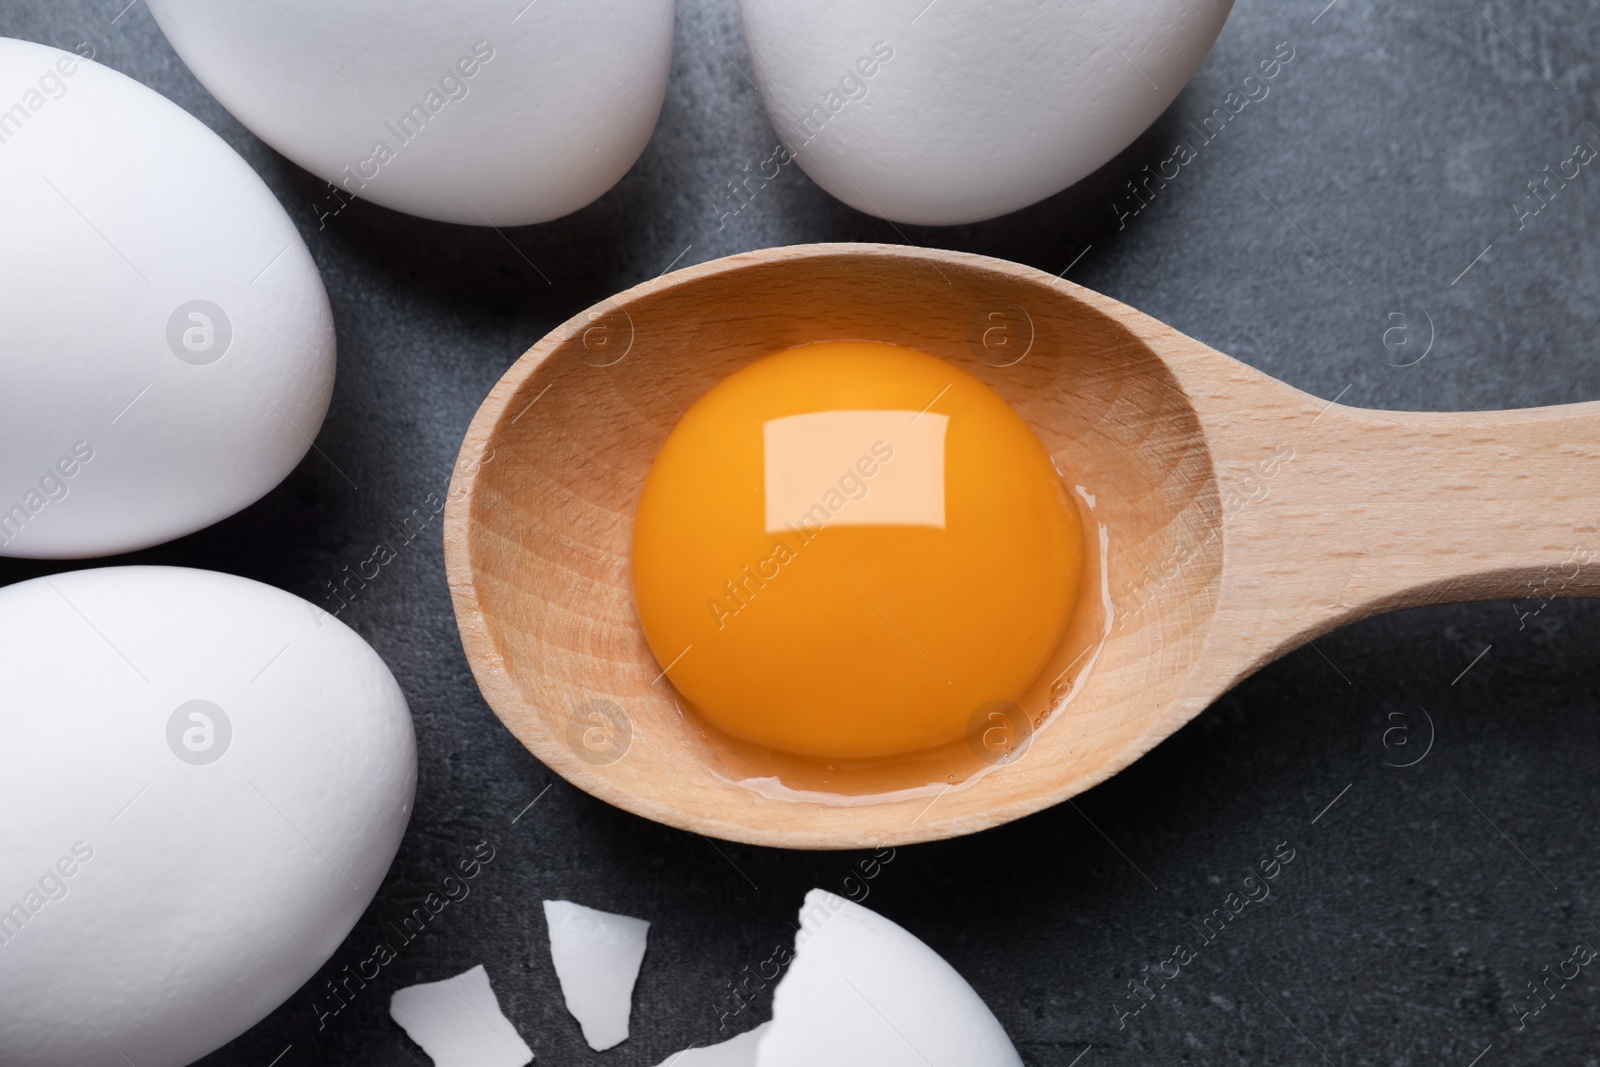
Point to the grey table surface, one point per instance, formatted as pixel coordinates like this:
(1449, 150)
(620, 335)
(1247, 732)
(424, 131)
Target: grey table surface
(1387, 159)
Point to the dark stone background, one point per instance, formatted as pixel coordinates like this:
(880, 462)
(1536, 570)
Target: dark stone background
(1397, 141)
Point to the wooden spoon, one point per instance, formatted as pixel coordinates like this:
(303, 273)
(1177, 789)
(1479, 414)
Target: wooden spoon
(1244, 518)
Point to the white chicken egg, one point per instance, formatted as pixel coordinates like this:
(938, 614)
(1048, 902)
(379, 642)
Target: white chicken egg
(862, 992)
(205, 780)
(945, 112)
(168, 350)
(482, 112)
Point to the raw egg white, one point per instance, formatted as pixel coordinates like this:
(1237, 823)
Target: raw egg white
(484, 112)
(168, 351)
(205, 780)
(949, 112)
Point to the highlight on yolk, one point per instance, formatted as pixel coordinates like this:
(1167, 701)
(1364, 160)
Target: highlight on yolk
(845, 550)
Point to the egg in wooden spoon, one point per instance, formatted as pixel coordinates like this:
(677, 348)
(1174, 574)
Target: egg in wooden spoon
(847, 549)
(1230, 518)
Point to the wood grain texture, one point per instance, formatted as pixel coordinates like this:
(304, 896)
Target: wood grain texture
(1242, 517)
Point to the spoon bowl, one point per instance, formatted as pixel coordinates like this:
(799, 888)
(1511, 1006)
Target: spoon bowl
(1239, 518)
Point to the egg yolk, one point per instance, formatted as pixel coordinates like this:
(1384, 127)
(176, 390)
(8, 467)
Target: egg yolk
(847, 550)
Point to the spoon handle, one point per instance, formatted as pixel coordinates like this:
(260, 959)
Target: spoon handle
(1332, 514)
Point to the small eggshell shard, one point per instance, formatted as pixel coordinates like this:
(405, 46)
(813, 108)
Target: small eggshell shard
(938, 114)
(597, 956)
(168, 351)
(862, 992)
(735, 1052)
(458, 1022)
(206, 780)
(474, 111)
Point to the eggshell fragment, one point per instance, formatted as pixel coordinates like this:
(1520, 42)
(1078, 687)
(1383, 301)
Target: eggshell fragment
(484, 112)
(942, 113)
(458, 1022)
(167, 353)
(597, 957)
(862, 992)
(735, 1052)
(205, 780)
